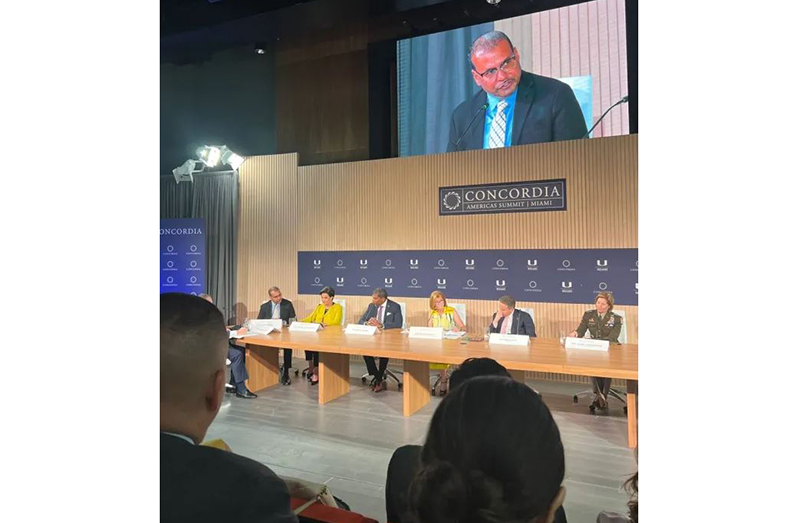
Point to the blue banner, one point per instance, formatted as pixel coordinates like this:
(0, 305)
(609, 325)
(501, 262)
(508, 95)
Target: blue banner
(183, 255)
(551, 275)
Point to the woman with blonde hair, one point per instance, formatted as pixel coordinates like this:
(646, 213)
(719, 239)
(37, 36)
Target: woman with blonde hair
(441, 315)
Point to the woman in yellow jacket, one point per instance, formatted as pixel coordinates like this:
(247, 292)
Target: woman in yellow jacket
(441, 315)
(325, 313)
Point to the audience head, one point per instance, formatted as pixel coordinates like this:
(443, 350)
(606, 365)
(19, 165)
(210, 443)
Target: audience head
(604, 302)
(327, 294)
(474, 367)
(379, 296)
(275, 295)
(493, 454)
(206, 297)
(193, 351)
(631, 488)
(435, 299)
(506, 305)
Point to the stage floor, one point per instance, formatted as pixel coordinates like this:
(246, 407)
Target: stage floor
(348, 442)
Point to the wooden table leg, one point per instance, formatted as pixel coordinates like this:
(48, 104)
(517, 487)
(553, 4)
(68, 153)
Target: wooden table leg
(518, 375)
(416, 386)
(631, 405)
(333, 376)
(263, 367)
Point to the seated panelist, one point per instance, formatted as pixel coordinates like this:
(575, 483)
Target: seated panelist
(238, 364)
(603, 324)
(441, 315)
(278, 308)
(509, 320)
(326, 313)
(383, 314)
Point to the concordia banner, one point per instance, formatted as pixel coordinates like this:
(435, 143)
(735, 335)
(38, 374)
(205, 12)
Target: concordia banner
(550, 275)
(183, 255)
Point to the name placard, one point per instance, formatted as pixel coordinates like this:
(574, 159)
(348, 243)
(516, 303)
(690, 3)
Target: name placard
(361, 330)
(261, 325)
(508, 339)
(586, 344)
(426, 333)
(299, 326)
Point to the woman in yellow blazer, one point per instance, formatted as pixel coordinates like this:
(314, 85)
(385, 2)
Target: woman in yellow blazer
(441, 315)
(325, 313)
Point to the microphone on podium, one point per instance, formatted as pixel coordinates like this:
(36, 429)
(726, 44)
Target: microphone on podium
(623, 100)
(484, 106)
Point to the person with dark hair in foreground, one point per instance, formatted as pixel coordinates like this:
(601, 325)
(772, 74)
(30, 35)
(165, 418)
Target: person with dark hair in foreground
(406, 460)
(200, 483)
(483, 462)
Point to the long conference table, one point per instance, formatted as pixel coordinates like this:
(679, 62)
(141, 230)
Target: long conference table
(335, 347)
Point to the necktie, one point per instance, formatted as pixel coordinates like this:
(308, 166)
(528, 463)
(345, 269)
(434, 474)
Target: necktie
(379, 314)
(498, 127)
(505, 324)
(275, 312)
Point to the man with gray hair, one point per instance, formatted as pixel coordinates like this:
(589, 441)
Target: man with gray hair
(519, 107)
(200, 483)
(383, 314)
(509, 320)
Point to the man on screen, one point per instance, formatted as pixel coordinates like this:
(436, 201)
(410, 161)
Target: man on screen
(515, 107)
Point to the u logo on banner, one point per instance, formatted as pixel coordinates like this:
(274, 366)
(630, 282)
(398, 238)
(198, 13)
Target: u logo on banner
(500, 283)
(388, 281)
(601, 263)
(567, 284)
(339, 280)
(469, 263)
(441, 281)
(413, 263)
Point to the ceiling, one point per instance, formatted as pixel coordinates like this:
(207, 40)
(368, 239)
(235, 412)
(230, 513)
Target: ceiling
(192, 30)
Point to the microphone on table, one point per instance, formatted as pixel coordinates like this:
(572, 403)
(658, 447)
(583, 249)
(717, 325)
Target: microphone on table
(623, 100)
(484, 106)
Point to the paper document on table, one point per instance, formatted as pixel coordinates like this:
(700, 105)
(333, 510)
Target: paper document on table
(452, 335)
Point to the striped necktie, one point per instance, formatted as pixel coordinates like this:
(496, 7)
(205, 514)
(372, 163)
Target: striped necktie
(498, 127)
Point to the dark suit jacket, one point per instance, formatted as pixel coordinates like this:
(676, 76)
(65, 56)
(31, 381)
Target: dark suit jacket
(392, 319)
(546, 110)
(201, 484)
(286, 310)
(401, 471)
(522, 324)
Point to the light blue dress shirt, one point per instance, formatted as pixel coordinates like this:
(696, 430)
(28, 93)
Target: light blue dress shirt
(490, 113)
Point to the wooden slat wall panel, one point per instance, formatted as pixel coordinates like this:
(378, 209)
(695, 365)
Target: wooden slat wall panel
(267, 237)
(588, 38)
(341, 207)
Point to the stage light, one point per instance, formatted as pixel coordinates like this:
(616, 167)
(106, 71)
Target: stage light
(230, 158)
(186, 172)
(209, 155)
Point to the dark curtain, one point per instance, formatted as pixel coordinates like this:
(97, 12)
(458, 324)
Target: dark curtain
(434, 78)
(213, 197)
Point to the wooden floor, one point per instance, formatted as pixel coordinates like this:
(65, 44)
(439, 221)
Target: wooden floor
(348, 442)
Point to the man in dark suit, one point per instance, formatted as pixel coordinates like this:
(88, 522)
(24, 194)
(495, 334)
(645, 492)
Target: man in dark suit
(278, 308)
(384, 314)
(509, 320)
(198, 483)
(238, 364)
(515, 107)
